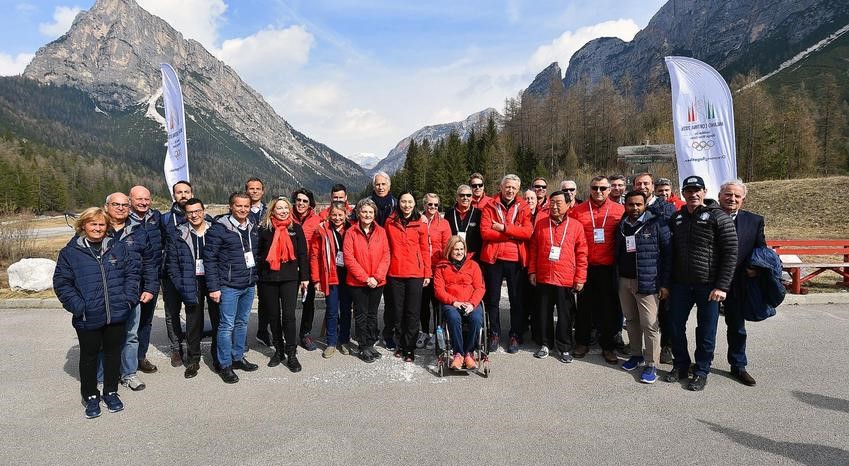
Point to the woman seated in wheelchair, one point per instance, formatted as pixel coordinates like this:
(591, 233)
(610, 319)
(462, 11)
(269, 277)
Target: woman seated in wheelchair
(458, 285)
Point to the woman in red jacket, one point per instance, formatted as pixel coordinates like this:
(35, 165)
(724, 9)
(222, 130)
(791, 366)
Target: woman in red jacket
(458, 285)
(409, 271)
(366, 257)
(438, 232)
(327, 270)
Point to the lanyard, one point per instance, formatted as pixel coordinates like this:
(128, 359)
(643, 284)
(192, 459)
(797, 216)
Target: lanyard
(551, 232)
(97, 256)
(336, 236)
(592, 215)
(241, 238)
(622, 230)
(457, 221)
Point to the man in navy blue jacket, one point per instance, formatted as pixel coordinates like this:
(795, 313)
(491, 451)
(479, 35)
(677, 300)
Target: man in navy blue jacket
(147, 218)
(750, 235)
(229, 257)
(176, 216)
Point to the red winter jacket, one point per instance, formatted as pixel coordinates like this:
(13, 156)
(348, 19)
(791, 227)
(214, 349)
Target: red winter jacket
(323, 256)
(408, 247)
(465, 285)
(518, 229)
(602, 253)
(366, 256)
(571, 268)
(439, 232)
(482, 202)
(309, 223)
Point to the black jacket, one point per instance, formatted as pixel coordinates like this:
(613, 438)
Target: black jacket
(297, 270)
(471, 225)
(704, 246)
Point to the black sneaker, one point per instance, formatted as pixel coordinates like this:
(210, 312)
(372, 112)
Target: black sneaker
(92, 407)
(366, 355)
(494, 341)
(697, 383)
(113, 402)
(676, 374)
(389, 343)
(244, 365)
(565, 357)
(227, 375)
(191, 370)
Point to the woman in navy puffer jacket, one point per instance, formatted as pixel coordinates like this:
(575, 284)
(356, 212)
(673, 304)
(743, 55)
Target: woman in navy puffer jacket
(97, 280)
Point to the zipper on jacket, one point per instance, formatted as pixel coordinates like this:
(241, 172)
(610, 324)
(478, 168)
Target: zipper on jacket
(105, 289)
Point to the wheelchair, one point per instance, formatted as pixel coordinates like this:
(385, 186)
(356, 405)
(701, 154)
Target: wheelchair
(444, 351)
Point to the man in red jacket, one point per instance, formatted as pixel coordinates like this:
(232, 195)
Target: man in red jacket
(479, 197)
(505, 229)
(598, 303)
(558, 268)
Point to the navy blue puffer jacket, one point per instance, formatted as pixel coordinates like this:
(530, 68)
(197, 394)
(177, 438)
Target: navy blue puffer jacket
(137, 240)
(180, 261)
(654, 252)
(97, 290)
(224, 255)
(151, 224)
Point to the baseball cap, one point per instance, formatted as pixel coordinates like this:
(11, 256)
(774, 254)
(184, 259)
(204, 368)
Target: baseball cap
(693, 182)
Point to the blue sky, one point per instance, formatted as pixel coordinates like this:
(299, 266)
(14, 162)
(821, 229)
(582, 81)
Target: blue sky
(361, 75)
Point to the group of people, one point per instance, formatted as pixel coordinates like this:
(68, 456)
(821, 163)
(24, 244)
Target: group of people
(643, 255)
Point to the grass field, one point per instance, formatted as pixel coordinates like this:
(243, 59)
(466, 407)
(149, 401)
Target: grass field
(810, 208)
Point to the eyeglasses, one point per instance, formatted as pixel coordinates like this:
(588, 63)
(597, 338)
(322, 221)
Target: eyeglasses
(302, 200)
(476, 185)
(540, 186)
(599, 188)
(117, 204)
(194, 212)
(433, 204)
(464, 195)
(570, 189)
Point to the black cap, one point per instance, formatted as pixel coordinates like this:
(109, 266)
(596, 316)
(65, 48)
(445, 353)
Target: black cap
(693, 182)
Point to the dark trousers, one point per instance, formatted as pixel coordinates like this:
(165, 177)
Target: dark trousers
(262, 322)
(366, 301)
(598, 303)
(110, 340)
(681, 301)
(493, 275)
(308, 313)
(407, 306)
(736, 333)
(173, 303)
(194, 323)
(390, 323)
(531, 298)
(428, 302)
(663, 322)
(280, 300)
(555, 336)
(146, 325)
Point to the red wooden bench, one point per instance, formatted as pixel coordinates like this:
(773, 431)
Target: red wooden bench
(790, 250)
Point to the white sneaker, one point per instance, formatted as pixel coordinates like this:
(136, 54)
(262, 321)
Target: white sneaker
(430, 342)
(542, 353)
(133, 382)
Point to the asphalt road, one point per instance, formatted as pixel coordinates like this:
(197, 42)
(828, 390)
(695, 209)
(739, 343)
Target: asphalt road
(343, 411)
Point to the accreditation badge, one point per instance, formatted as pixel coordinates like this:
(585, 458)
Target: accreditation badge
(340, 259)
(598, 235)
(554, 254)
(630, 244)
(199, 270)
(249, 260)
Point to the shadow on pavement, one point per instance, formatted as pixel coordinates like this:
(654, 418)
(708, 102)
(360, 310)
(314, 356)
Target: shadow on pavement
(823, 401)
(805, 453)
(72, 362)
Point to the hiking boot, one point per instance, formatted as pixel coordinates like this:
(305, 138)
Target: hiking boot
(542, 352)
(92, 407)
(457, 362)
(328, 352)
(581, 351)
(227, 375)
(469, 362)
(633, 362)
(244, 365)
(513, 347)
(113, 402)
(421, 340)
(133, 382)
(191, 370)
(147, 367)
(307, 343)
(649, 375)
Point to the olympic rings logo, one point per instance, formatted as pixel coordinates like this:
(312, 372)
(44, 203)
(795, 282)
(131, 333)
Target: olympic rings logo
(702, 145)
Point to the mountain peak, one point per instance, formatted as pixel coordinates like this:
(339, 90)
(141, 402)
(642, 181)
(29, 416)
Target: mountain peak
(548, 80)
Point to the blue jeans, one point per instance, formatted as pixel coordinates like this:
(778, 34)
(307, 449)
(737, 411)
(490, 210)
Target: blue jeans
(130, 351)
(463, 343)
(338, 313)
(235, 309)
(681, 302)
(146, 325)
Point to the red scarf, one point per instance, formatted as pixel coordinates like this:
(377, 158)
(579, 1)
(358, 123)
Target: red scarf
(281, 249)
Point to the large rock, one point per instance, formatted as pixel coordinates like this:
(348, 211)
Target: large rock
(31, 274)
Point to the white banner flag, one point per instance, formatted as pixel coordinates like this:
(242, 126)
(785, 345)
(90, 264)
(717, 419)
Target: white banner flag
(177, 157)
(703, 116)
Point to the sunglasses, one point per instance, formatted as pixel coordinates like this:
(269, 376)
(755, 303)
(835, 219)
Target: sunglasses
(540, 186)
(599, 188)
(432, 204)
(476, 185)
(303, 201)
(570, 189)
(465, 195)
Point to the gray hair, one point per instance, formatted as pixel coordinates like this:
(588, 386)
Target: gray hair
(383, 174)
(433, 195)
(736, 182)
(510, 177)
(366, 202)
(461, 188)
(565, 183)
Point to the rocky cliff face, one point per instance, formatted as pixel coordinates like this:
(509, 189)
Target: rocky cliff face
(733, 37)
(113, 53)
(545, 82)
(398, 155)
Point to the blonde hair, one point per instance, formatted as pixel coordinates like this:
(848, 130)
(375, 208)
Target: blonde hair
(266, 219)
(89, 215)
(453, 242)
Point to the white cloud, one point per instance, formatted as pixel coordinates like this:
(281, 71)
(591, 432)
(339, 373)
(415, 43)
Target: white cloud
(63, 17)
(320, 100)
(448, 115)
(195, 19)
(364, 122)
(10, 66)
(263, 57)
(562, 48)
